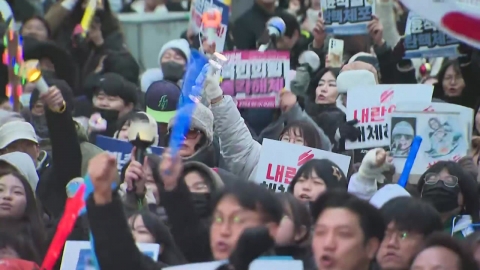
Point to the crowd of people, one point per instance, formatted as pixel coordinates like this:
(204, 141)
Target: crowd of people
(202, 203)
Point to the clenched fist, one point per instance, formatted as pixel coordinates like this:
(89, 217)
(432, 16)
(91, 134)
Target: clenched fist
(102, 170)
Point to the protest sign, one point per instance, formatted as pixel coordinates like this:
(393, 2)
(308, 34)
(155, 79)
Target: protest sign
(254, 78)
(261, 263)
(347, 17)
(77, 255)
(279, 162)
(444, 138)
(196, 12)
(466, 113)
(371, 105)
(457, 18)
(423, 39)
(121, 149)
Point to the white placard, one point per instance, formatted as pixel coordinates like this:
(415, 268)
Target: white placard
(258, 264)
(372, 105)
(279, 162)
(77, 254)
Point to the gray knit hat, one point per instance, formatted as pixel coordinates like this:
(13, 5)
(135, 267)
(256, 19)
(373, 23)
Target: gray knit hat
(202, 119)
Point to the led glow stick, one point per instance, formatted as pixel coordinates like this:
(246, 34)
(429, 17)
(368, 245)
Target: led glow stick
(187, 102)
(88, 16)
(64, 228)
(13, 58)
(211, 20)
(412, 155)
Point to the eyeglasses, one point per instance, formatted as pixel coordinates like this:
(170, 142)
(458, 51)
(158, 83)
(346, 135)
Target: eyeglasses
(448, 180)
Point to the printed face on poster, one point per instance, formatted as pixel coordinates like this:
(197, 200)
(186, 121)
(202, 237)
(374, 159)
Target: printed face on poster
(279, 162)
(254, 79)
(444, 138)
(372, 110)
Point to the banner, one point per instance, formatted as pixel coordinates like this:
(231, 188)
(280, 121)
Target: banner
(424, 40)
(196, 12)
(279, 162)
(444, 138)
(77, 254)
(371, 106)
(347, 17)
(121, 149)
(254, 78)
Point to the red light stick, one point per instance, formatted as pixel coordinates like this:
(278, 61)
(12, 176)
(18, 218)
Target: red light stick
(64, 228)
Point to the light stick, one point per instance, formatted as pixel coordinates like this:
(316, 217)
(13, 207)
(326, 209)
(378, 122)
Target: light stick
(211, 20)
(13, 58)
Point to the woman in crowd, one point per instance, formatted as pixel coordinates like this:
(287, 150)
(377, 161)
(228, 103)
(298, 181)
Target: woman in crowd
(315, 177)
(19, 212)
(36, 27)
(454, 194)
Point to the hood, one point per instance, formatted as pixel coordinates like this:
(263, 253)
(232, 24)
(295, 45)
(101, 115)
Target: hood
(24, 164)
(215, 182)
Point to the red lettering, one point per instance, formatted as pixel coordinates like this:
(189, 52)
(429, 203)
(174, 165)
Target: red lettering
(391, 109)
(365, 114)
(290, 174)
(377, 114)
(269, 172)
(279, 173)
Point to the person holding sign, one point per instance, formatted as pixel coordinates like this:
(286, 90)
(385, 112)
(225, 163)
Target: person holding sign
(239, 147)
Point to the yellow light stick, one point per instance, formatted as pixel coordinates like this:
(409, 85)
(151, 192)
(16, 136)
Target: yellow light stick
(31, 71)
(88, 16)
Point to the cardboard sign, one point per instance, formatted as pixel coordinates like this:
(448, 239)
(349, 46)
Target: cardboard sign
(347, 17)
(77, 254)
(254, 78)
(121, 149)
(458, 18)
(371, 106)
(279, 162)
(423, 39)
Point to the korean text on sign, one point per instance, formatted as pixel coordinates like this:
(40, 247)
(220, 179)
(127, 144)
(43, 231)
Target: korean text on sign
(198, 8)
(423, 39)
(120, 149)
(255, 78)
(279, 162)
(347, 17)
(371, 106)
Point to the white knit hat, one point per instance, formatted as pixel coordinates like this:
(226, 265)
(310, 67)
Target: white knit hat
(180, 44)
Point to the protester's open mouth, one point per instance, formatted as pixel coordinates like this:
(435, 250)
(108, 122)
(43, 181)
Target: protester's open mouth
(305, 197)
(326, 261)
(221, 246)
(321, 97)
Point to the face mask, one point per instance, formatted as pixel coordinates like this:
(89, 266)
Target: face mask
(172, 71)
(443, 198)
(201, 203)
(109, 115)
(25, 99)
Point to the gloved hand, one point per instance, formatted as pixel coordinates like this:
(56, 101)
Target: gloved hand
(211, 88)
(252, 243)
(299, 84)
(348, 130)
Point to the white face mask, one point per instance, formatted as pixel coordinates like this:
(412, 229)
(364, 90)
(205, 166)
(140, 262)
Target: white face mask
(25, 99)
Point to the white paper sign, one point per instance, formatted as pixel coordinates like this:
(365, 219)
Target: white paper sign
(77, 254)
(255, 265)
(444, 137)
(371, 106)
(279, 162)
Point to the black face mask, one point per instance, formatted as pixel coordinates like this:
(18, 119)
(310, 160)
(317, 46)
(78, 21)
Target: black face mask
(443, 198)
(201, 203)
(172, 71)
(109, 115)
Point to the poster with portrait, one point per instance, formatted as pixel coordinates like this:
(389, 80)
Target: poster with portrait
(444, 137)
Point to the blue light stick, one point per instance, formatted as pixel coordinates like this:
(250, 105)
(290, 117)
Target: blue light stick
(188, 100)
(412, 155)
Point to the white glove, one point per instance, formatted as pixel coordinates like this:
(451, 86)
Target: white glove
(211, 88)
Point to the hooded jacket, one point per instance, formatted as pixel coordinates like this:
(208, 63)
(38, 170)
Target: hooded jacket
(24, 165)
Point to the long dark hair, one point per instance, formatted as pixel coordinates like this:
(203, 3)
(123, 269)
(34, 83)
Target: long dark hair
(307, 131)
(170, 254)
(30, 225)
(299, 214)
(312, 87)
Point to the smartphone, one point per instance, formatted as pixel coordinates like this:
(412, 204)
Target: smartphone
(335, 53)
